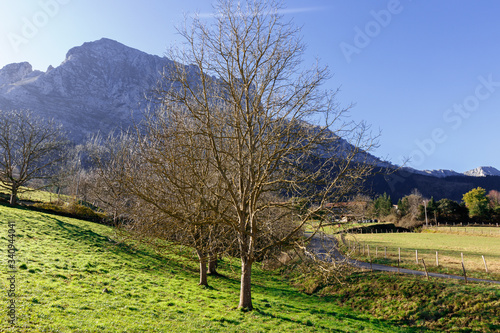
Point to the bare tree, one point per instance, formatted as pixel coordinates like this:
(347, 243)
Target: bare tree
(148, 180)
(263, 127)
(30, 148)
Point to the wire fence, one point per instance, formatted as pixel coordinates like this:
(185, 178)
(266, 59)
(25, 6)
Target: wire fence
(428, 260)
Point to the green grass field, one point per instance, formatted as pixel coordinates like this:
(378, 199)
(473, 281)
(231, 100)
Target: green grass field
(37, 195)
(467, 230)
(449, 246)
(77, 276)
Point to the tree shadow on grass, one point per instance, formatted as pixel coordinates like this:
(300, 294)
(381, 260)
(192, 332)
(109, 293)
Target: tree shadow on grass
(141, 258)
(299, 302)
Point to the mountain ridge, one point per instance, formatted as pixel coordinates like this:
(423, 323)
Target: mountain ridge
(101, 84)
(481, 171)
(98, 86)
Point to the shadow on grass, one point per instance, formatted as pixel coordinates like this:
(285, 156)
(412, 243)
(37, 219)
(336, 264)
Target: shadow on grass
(298, 302)
(308, 323)
(140, 258)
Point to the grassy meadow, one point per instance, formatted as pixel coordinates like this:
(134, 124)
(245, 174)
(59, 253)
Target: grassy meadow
(467, 230)
(77, 276)
(449, 246)
(28, 194)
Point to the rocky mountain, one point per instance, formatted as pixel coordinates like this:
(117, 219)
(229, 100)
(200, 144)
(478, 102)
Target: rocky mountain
(483, 172)
(96, 88)
(101, 84)
(477, 172)
(441, 173)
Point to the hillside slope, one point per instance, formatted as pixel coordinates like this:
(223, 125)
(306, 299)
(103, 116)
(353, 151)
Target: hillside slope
(77, 276)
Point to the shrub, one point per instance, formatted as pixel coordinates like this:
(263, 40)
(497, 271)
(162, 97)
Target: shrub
(71, 209)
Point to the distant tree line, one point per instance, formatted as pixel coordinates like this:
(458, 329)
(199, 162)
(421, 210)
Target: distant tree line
(414, 209)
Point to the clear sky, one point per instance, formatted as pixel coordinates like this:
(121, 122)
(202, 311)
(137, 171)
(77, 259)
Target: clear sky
(426, 73)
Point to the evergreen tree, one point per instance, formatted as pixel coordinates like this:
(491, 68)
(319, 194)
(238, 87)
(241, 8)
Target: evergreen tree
(382, 205)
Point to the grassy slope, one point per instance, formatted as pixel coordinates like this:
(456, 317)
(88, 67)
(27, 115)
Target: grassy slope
(66, 264)
(36, 195)
(440, 305)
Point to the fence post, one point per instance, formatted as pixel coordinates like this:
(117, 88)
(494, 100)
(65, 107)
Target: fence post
(463, 268)
(437, 259)
(385, 252)
(376, 251)
(416, 255)
(485, 267)
(425, 268)
(399, 254)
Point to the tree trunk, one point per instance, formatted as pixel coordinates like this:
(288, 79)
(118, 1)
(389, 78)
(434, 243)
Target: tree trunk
(203, 269)
(212, 265)
(246, 285)
(13, 196)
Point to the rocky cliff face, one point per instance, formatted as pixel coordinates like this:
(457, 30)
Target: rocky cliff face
(97, 88)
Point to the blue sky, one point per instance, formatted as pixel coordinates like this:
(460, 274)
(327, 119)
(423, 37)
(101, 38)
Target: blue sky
(426, 73)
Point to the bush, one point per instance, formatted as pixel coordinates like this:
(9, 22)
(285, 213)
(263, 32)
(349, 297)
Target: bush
(49, 206)
(74, 209)
(84, 212)
(409, 222)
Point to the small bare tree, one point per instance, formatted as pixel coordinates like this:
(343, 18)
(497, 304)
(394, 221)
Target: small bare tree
(139, 179)
(30, 149)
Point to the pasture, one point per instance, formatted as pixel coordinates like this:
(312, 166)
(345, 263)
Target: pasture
(77, 276)
(384, 248)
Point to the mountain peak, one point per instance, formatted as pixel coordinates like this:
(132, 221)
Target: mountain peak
(103, 47)
(483, 171)
(96, 88)
(14, 72)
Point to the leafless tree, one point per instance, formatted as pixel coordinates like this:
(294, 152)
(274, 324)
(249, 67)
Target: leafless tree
(264, 128)
(415, 200)
(30, 149)
(360, 206)
(147, 178)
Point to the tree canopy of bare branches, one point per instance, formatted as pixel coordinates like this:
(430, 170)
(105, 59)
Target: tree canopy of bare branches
(241, 148)
(30, 149)
(246, 116)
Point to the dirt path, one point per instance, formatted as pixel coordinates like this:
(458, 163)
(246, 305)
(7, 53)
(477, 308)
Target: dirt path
(325, 248)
